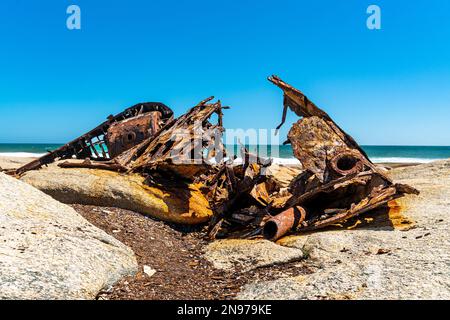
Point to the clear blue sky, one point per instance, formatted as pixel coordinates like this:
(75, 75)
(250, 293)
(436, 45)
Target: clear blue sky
(388, 86)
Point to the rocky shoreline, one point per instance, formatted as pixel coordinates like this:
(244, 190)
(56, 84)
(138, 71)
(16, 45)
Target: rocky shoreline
(387, 257)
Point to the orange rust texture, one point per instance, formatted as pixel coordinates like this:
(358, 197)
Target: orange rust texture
(398, 220)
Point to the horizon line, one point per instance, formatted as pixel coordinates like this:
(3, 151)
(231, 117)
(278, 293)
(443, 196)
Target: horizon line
(363, 145)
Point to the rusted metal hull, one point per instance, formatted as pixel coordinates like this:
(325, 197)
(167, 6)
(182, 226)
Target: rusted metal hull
(338, 182)
(96, 145)
(125, 134)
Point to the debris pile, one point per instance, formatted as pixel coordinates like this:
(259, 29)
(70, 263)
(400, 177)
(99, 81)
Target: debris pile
(338, 180)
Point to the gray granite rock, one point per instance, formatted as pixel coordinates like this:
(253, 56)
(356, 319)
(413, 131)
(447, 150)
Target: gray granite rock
(249, 254)
(48, 251)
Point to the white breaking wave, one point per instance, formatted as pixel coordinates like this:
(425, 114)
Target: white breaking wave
(401, 160)
(283, 161)
(294, 161)
(286, 161)
(21, 154)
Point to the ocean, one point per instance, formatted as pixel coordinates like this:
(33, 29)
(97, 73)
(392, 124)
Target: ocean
(281, 154)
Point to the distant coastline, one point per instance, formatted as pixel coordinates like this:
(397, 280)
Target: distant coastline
(281, 155)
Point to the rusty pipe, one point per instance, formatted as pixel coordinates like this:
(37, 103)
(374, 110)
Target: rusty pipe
(345, 163)
(282, 223)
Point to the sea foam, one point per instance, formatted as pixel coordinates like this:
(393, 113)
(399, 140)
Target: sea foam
(401, 160)
(282, 161)
(21, 154)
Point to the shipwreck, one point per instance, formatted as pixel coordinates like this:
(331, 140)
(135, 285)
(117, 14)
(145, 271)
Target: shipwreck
(337, 182)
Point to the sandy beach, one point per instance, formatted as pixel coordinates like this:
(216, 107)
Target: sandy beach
(13, 162)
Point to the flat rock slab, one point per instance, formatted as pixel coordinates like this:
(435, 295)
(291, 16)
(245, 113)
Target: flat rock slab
(48, 251)
(375, 262)
(249, 254)
(184, 204)
(283, 174)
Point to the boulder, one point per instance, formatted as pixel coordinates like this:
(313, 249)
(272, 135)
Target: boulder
(48, 251)
(249, 254)
(180, 204)
(282, 175)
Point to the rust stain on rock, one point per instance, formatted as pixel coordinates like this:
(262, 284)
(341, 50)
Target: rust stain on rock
(396, 216)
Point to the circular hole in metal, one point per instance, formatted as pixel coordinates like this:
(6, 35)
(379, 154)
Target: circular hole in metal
(270, 230)
(346, 163)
